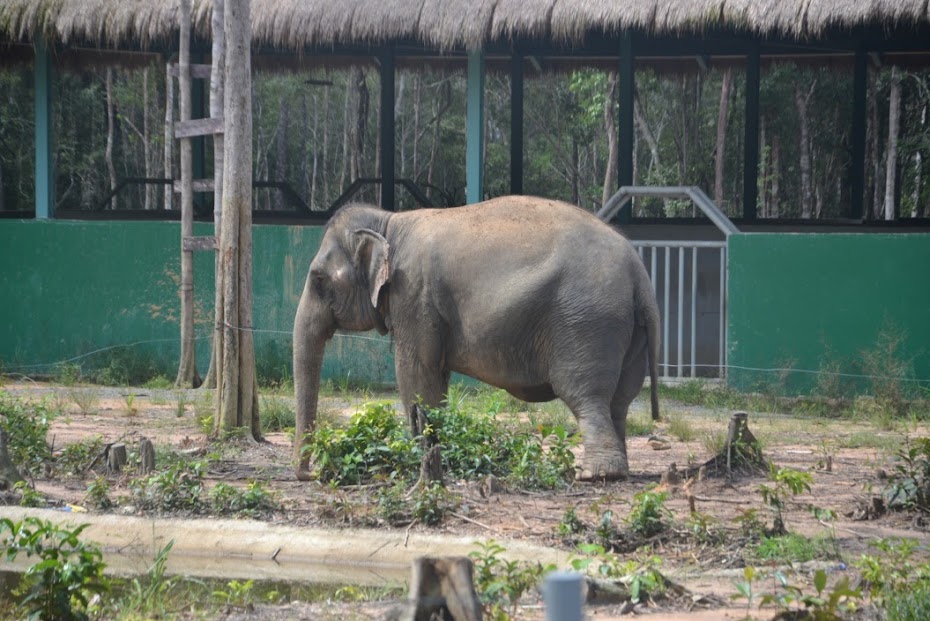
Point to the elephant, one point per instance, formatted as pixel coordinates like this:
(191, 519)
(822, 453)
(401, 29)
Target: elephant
(534, 296)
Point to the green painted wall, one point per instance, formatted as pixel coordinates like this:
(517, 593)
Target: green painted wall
(70, 288)
(805, 301)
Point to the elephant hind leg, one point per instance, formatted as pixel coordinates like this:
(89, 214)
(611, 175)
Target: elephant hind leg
(630, 383)
(604, 452)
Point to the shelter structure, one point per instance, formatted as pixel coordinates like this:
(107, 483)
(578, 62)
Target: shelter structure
(521, 37)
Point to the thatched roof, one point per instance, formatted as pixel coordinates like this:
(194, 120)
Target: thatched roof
(445, 24)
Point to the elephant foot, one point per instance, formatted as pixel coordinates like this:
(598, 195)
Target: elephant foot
(610, 470)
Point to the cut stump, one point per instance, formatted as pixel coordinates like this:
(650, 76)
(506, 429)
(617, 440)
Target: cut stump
(440, 588)
(146, 456)
(116, 457)
(740, 454)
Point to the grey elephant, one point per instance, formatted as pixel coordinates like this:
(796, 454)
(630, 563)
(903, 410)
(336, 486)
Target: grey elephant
(534, 296)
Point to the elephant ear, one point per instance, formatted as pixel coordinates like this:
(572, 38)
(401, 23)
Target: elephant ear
(371, 258)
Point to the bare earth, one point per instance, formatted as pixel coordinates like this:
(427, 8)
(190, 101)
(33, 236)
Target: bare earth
(708, 571)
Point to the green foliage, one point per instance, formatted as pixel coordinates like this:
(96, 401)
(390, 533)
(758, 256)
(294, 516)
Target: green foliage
(910, 605)
(570, 525)
(788, 483)
(642, 577)
(825, 605)
(909, 483)
(375, 444)
(126, 366)
(66, 374)
(501, 583)
(893, 570)
(236, 594)
(649, 513)
(273, 360)
(639, 424)
(98, 494)
(178, 488)
(427, 504)
(158, 382)
(276, 415)
(28, 497)
(86, 399)
(26, 425)
(148, 595)
(253, 501)
(77, 457)
(889, 370)
(68, 572)
(680, 428)
(793, 548)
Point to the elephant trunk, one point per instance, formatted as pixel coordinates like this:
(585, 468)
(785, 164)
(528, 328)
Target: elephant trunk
(311, 332)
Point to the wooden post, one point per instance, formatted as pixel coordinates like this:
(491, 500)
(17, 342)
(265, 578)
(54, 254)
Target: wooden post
(146, 456)
(187, 368)
(116, 457)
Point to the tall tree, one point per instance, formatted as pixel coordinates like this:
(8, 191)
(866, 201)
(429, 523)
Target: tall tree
(148, 157)
(187, 367)
(217, 96)
(891, 153)
(720, 150)
(801, 102)
(169, 136)
(613, 140)
(111, 136)
(237, 399)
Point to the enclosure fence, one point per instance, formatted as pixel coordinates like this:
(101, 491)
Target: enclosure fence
(689, 279)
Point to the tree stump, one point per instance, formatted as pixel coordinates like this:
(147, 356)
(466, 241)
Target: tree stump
(146, 456)
(9, 475)
(440, 588)
(431, 468)
(741, 453)
(116, 457)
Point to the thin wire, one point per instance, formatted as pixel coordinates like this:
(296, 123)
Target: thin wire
(174, 340)
(363, 337)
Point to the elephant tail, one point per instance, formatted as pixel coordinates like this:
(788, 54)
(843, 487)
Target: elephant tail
(652, 343)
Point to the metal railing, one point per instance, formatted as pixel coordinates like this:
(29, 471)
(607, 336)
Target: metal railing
(689, 279)
(697, 304)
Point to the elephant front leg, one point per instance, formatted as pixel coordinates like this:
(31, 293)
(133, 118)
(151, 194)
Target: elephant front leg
(419, 384)
(604, 452)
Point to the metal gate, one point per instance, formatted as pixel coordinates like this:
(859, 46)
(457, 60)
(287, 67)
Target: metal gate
(689, 278)
(690, 281)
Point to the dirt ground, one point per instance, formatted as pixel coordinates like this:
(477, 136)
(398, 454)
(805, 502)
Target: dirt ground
(859, 451)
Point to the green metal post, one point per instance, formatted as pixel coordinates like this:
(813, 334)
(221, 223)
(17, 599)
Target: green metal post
(516, 123)
(387, 128)
(474, 133)
(625, 123)
(44, 132)
(751, 142)
(857, 166)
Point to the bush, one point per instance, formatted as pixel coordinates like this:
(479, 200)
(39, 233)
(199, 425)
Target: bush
(909, 483)
(179, 488)
(253, 501)
(26, 426)
(68, 573)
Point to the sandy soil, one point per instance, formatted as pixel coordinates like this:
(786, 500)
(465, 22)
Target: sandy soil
(709, 571)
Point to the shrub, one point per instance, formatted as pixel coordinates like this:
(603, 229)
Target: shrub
(179, 488)
(648, 515)
(277, 415)
(909, 483)
(26, 426)
(253, 501)
(68, 573)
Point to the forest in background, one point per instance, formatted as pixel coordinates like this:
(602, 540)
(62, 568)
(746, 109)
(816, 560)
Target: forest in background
(318, 131)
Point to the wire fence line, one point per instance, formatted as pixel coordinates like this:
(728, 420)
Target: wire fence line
(15, 368)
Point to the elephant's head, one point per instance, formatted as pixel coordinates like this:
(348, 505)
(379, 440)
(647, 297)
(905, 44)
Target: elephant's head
(345, 289)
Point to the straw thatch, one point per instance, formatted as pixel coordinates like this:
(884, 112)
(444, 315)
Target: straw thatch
(445, 24)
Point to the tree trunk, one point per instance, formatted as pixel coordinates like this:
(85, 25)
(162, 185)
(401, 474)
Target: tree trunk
(149, 160)
(918, 169)
(316, 154)
(801, 102)
(325, 157)
(613, 140)
(187, 368)
(576, 191)
(720, 151)
(417, 97)
(169, 136)
(237, 398)
(875, 132)
(280, 163)
(774, 210)
(891, 154)
(351, 83)
(764, 169)
(360, 127)
(217, 95)
(111, 136)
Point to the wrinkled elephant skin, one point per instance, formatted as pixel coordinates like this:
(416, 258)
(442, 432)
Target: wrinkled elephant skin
(534, 296)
